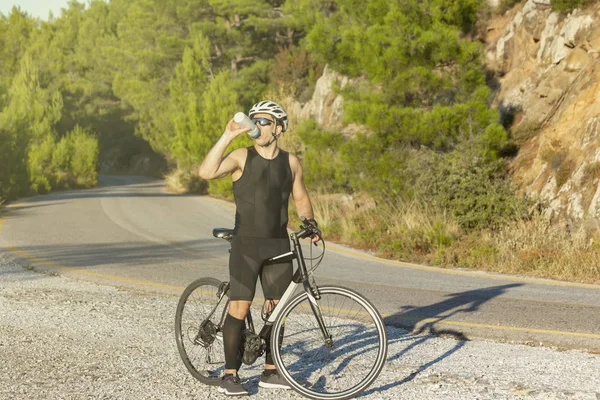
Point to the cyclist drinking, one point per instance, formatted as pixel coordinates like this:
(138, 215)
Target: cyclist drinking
(263, 177)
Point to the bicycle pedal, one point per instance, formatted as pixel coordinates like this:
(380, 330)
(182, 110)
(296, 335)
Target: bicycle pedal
(252, 348)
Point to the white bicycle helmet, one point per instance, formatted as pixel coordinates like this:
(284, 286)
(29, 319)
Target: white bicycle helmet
(271, 108)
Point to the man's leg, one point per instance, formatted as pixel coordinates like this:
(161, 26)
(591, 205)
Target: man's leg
(232, 338)
(269, 365)
(244, 268)
(270, 378)
(232, 333)
(275, 279)
(243, 273)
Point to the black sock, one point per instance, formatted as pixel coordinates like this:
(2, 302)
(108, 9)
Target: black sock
(268, 355)
(232, 338)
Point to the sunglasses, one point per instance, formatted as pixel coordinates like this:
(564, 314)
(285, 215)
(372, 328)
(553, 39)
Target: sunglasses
(262, 121)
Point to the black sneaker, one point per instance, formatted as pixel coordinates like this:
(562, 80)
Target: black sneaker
(232, 386)
(270, 379)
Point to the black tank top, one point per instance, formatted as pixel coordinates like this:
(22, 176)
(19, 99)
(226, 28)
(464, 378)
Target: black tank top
(262, 194)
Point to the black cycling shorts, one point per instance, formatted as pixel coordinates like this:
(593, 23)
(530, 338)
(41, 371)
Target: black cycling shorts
(246, 265)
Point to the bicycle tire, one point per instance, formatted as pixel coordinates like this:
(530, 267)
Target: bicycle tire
(204, 360)
(341, 371)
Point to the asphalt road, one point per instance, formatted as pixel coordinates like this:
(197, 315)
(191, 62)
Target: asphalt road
(131, 232)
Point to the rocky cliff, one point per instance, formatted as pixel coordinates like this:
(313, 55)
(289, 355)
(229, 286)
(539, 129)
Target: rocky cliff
(548, 71)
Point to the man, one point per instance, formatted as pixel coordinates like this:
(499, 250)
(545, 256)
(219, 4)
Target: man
(263, 177)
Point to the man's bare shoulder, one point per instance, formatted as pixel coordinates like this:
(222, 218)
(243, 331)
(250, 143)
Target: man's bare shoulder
(295, 165)
(238, 154)
(294, 160)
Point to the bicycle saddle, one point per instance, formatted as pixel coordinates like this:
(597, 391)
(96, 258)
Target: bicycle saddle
(223, 233)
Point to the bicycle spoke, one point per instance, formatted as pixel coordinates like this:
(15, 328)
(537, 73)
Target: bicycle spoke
(347, 366)
(201, 346)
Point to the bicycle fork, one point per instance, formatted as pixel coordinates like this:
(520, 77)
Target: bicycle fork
(313, 294)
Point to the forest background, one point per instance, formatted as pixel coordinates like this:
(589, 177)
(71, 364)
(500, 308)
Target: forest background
(106, 86)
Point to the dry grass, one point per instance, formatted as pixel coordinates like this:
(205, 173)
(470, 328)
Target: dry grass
(591, 173)
(174, 184)
(406, 230)
(180, 181)
(525, 131)
(412, 231)
(542, 249)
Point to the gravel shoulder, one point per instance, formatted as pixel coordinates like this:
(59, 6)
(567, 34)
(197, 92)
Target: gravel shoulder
(62, 338)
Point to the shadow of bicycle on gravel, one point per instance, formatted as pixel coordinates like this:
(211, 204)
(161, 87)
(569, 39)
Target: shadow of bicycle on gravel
(415, 326)
(309, 362)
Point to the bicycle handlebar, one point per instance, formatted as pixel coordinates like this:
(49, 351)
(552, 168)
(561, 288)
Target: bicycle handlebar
(307, 229)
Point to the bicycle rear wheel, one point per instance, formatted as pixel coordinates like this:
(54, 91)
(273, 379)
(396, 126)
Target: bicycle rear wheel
(199, 337)
(345, 366)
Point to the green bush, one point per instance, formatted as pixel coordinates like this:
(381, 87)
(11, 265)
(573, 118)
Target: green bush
(201, 114)
(84, 159)
(70, 162)
(39, 162)
(475, 191)
(61, 164)
(380, 171)
(295, 71)
(221, 187)
(61, 156)
(322, 165)
(13, 166)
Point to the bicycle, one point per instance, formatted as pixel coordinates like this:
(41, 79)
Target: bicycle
(327, 342)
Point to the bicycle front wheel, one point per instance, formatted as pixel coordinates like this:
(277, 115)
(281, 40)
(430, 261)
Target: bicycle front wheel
(339, 368)
(198, 329)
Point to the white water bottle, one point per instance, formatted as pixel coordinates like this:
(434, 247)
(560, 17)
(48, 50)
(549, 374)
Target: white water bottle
(245, 122)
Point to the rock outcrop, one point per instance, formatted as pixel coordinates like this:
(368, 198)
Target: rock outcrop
(326, 106)
(548, 70)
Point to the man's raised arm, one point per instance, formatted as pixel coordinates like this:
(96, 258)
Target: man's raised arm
(214, 164)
